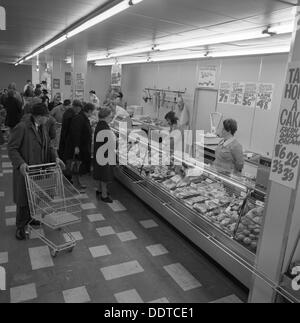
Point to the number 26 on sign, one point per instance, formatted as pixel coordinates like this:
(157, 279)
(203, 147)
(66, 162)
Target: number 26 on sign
(285, 163)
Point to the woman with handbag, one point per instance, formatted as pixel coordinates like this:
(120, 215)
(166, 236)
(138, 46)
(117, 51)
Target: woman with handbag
(79, 144)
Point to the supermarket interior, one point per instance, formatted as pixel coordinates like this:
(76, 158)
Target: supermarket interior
(149, 151)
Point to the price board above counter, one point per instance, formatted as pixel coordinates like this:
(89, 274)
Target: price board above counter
(286, 160)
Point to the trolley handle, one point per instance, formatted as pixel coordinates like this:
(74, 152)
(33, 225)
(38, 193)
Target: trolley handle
(40, 167)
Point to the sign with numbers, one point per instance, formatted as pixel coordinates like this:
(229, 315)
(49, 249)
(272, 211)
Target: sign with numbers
(286, 159)
(207, 76)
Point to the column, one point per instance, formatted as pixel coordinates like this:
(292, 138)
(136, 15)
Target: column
(79, 67)
(282, 221)
(61, 80)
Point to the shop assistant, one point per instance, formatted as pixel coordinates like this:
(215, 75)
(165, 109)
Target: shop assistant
(229, 153)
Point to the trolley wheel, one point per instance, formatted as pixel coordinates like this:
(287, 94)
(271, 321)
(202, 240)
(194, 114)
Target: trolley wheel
(53, 253)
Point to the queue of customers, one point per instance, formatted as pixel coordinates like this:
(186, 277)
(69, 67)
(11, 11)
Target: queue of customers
(33, 140)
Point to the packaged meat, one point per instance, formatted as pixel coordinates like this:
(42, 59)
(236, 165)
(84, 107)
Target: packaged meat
(210, 205)
(200, 207)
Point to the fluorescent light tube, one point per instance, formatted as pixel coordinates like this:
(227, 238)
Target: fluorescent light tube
(131, 52)
(56, 42)
(101, 17)
(283, 28)
(223, 38)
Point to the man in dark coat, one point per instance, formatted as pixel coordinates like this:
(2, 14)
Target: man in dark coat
(79, 141)
(29, 145)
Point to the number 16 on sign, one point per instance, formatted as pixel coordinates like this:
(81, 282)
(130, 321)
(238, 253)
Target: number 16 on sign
(285, 166)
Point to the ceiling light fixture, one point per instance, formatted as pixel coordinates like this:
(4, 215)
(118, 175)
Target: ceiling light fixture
(87, 24)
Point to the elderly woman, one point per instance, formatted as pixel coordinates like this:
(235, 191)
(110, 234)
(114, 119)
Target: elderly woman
(229, 153)
(104, 153)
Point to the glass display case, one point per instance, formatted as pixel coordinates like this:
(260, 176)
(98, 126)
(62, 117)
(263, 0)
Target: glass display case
(221, 214)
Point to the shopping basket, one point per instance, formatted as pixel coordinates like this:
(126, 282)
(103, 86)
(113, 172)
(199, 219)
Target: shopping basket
(54, 202)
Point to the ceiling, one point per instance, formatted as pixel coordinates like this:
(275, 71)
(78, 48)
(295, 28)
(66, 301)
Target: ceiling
(31, 23)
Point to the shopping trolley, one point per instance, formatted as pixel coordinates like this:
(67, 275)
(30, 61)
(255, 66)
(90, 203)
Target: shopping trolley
(55, 203)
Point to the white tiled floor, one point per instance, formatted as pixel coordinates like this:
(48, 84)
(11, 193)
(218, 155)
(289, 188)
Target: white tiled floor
(10, 208)
(3, 258)
(160, 300)
(95, 217)
(117, 206)
(10, 222)
(23, 293)
(122, 270)
(157, 250)
(76, 295)
(182, 277)
(228, 299)
(105, 231)
(148, 224)
(126, 236)
(40, 257)
(100, 251)
(6, 165)
(129, 296)
(76, 235)
(88, 206)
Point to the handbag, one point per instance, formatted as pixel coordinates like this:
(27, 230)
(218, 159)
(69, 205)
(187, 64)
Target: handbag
(73, 165)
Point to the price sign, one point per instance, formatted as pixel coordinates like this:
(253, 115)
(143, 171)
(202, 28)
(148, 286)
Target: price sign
(286, 159)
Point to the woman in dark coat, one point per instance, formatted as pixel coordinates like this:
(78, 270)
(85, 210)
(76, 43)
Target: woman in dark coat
(13, 109)
(79, 141)
(104, 153)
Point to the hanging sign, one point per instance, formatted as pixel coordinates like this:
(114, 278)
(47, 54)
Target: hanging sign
(224, 92)
(116, 75)
(237, 93)
(285, 164)
(79, 86)
(250, 95)
(207, 76)
(2, 19)
(265, 96)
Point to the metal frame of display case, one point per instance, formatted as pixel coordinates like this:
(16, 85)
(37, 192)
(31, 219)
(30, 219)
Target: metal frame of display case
(219, 245)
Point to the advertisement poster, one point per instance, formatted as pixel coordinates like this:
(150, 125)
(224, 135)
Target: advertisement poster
(250, 95)
(224, 92)
(116, 75)
(56, 84)
(207, 76)
(68, 78)
(237, 93)
(265, 96)
(285, 163)
(79, 86)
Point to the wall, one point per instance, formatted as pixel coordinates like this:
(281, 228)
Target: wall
(18, 74)
(99, 80)
(256, 128)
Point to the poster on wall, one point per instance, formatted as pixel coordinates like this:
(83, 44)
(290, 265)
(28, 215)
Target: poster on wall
(265, 96)
(116, 75)
(68, 78)
(224, 92)
(237, 93)
(56, 84)
(79, 86)
(250, 95)
(207, 76)
(285, 163)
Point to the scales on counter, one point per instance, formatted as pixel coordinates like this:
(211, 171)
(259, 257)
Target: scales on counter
(211, 138)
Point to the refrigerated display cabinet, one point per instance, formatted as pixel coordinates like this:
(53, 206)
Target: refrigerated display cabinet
(220, 214)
